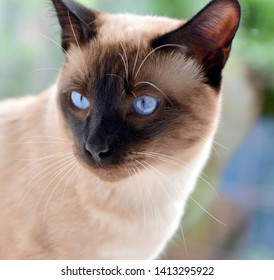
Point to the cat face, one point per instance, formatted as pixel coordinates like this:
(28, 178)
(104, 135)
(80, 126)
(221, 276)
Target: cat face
(136, 87)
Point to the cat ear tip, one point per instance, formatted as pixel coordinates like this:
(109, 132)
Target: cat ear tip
(232, 11)
(235, 3)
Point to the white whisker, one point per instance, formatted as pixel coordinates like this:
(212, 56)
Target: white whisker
(136, 58)
(40, 159)
(155, 208)
(51, 40)
(34, 183)
(41, 142)
(73, 175)
(53, 175)
(158, 172)
(134, 94)
(184, 239)
(152, 52)
(139, 187)
(210, 215)
(45, 137)
(117, 76)
(177, 162)
(70, 166)
(173, 187)
(57, 44)
(42, 69)
(125, 61)
(155, 87)
(79, 48)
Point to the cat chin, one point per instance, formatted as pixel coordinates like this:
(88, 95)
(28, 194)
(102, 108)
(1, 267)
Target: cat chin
(110, 174)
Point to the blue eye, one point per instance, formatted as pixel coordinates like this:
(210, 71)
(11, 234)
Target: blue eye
(79, 101)
(145, 105)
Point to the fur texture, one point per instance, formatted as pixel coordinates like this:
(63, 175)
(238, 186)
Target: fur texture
(57, 200)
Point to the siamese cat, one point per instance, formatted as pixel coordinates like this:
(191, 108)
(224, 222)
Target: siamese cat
(101, 164)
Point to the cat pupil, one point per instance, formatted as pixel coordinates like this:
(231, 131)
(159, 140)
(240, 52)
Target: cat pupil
(145, 105)
(79, 101)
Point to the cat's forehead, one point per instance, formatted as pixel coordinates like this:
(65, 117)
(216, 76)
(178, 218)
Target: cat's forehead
(113, 27)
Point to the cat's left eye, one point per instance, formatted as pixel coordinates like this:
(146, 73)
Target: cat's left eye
(145, 105)
(79, 101)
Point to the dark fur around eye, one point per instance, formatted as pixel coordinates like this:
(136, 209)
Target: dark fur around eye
(107, 126)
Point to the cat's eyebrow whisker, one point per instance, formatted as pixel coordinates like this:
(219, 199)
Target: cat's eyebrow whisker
(155, 87)
(92, 22)
(125, 66)
(117, 76)
(79, 48)
(42, 69)
(58, 45)
(123, 93)
(125, 61)
(152, 52)
(51, 40)
(137, 56)
(134, 94)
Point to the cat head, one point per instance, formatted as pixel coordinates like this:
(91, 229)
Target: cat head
(134, 88)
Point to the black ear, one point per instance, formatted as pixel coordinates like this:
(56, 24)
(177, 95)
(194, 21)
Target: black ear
(78, 23)
(208, 36)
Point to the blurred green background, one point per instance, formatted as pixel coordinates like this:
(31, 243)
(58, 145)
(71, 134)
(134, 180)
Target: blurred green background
(30, 58)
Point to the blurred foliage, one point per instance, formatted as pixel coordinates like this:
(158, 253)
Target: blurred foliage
(256, 46)
(257, 40)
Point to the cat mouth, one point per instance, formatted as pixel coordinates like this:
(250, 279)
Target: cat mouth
(108, 169)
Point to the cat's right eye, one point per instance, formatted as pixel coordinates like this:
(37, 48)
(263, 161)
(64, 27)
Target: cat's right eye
(79, 101)
(145, 105)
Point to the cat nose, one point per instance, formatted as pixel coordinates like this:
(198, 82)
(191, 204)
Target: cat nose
(100, 152)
